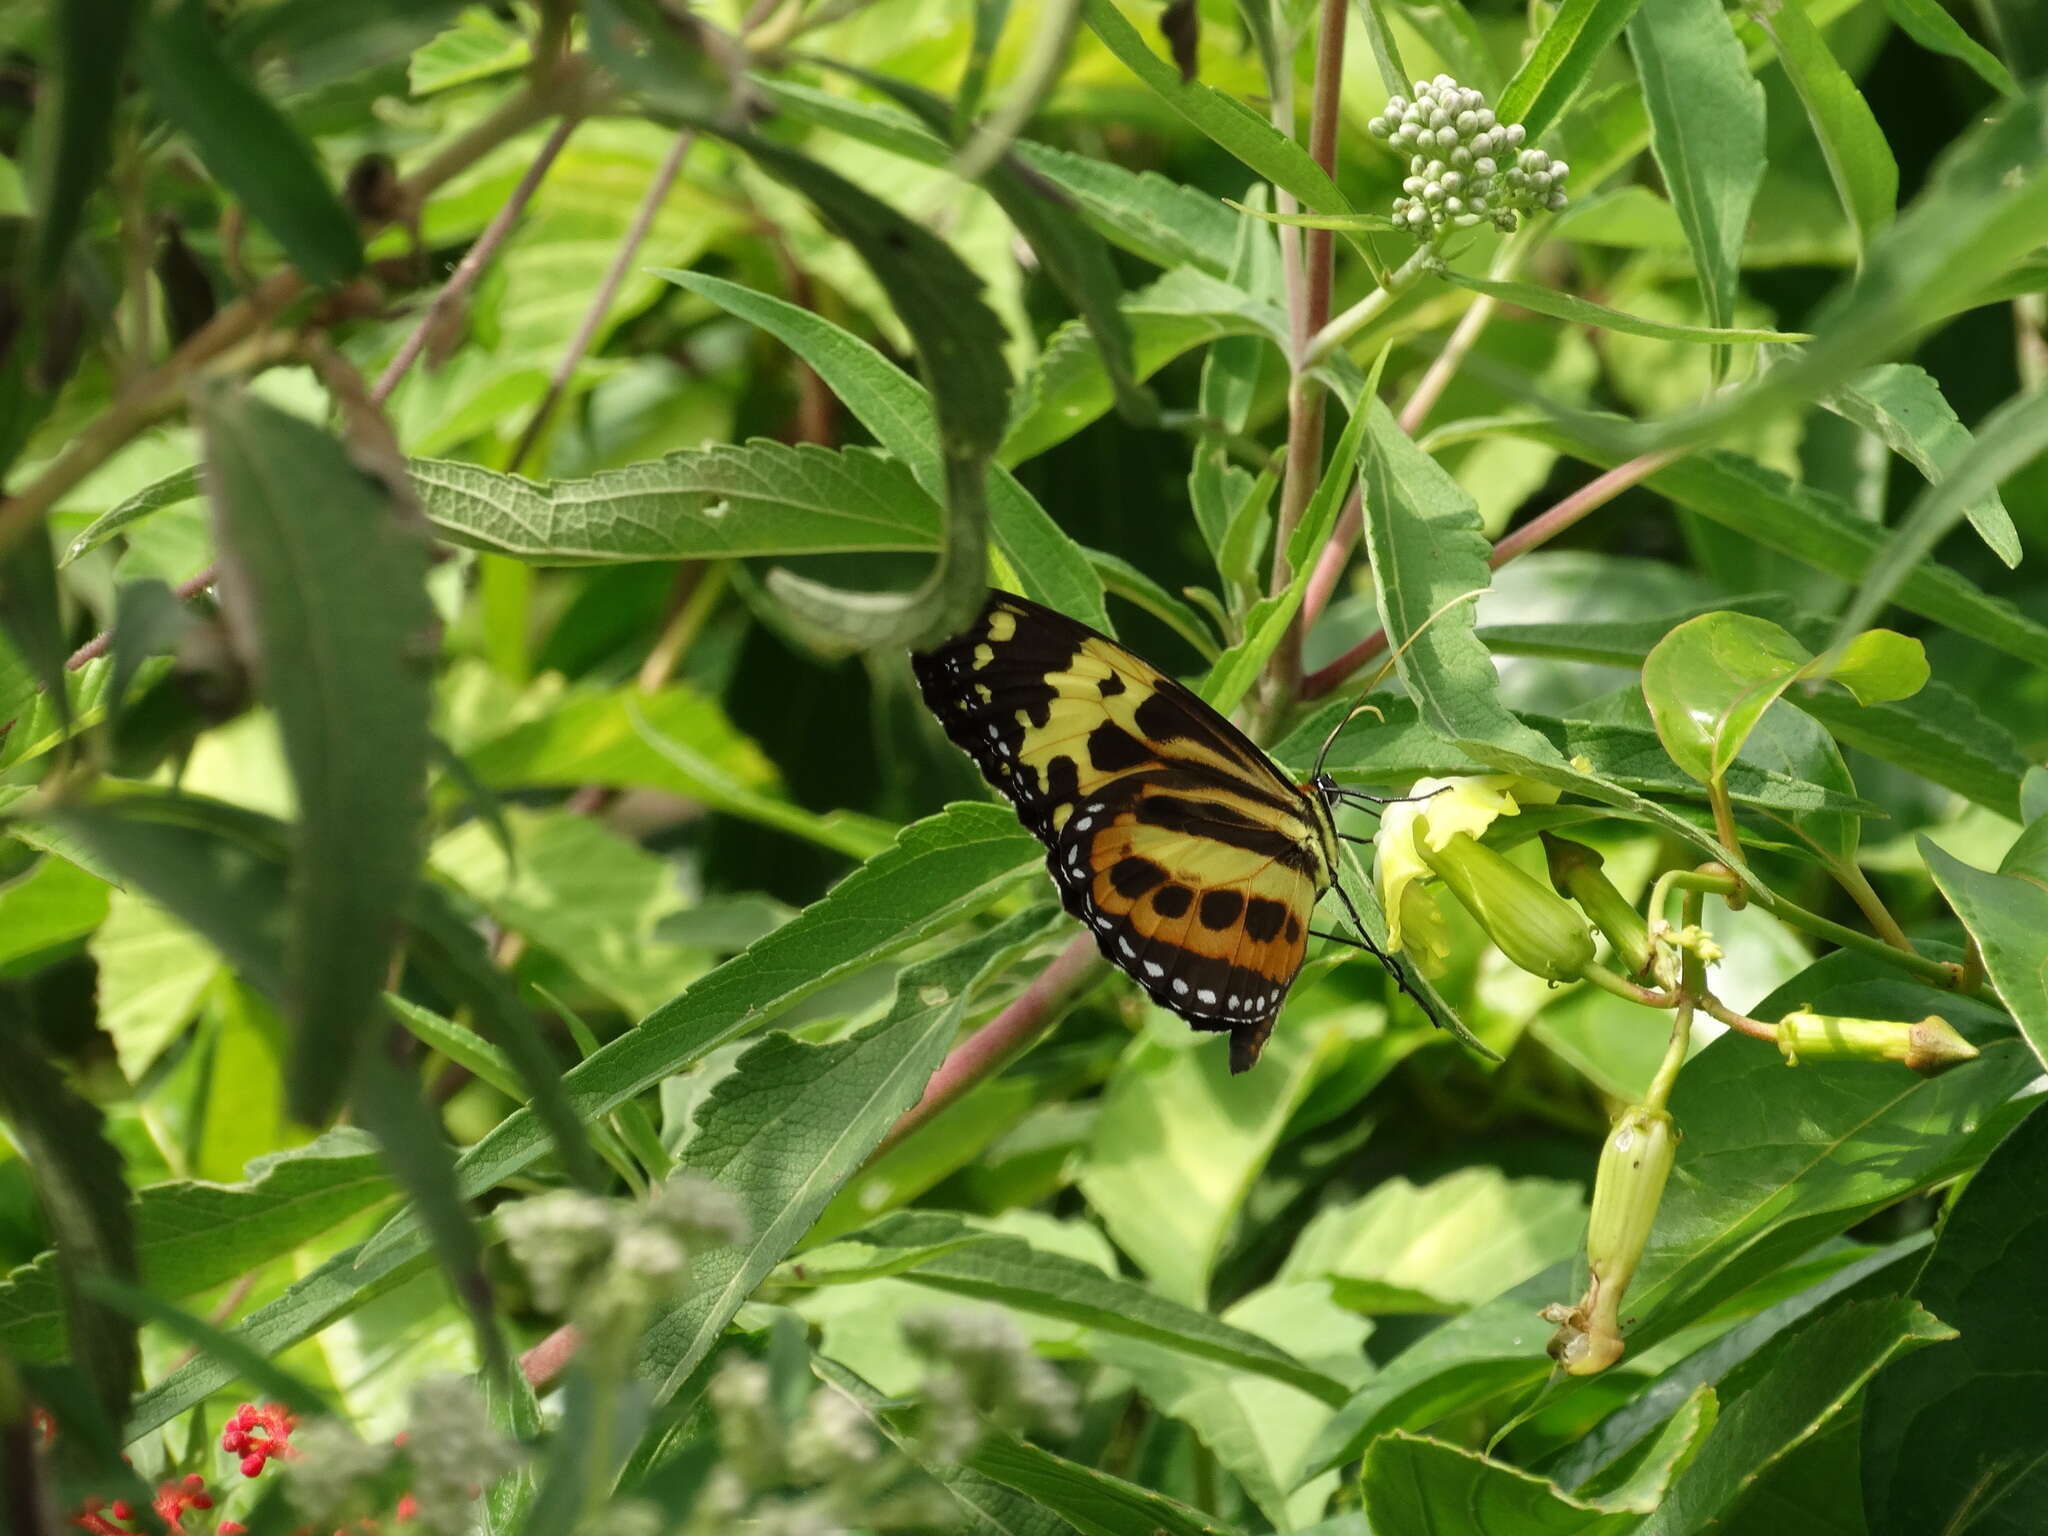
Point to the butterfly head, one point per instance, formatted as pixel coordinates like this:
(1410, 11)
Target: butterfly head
(1325, 788)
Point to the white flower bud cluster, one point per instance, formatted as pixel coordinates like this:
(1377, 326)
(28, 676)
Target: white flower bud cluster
(1464, 165)
(456, 1453)
(590, 1255)
(823, 1473)
(986, 1370)
(333, 1471)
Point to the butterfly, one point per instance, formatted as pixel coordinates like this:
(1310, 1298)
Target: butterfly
(1189, 854)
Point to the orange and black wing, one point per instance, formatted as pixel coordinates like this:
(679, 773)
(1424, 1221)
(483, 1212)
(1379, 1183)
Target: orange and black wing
(1188, 854)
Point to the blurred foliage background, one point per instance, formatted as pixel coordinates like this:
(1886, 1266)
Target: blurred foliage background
(420, 417)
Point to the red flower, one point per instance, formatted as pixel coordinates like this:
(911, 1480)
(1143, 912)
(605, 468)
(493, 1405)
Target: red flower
(257, 1434)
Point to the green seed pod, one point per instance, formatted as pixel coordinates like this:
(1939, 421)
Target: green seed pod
(1635, 1163)
(1577, 870)
(1530, 923)
(1929, 1047)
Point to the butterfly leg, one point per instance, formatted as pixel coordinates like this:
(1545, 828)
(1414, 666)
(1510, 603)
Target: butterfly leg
(1394, 967)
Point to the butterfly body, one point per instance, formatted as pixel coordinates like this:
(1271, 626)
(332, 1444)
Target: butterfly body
(1186, 851)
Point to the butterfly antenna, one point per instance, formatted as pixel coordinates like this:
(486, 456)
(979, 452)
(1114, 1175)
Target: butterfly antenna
(1337, 730)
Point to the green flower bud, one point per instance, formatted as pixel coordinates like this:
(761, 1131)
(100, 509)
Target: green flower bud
(1577, 870)
(1530, 923)
(1929, 1047)
(1634, 1165)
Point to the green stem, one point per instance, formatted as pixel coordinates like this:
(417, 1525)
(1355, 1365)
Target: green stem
(1369, 308)
(1725, 830)
(1622, 987)
(1849, 875)
(1720, 882)
(1691, 986)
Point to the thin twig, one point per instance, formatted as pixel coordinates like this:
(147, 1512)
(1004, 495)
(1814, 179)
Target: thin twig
(473, 262)
(1445, 364)
(1756, 1029)
(161, 390)
(1533, 534)
(1305, 392)
(607, 292)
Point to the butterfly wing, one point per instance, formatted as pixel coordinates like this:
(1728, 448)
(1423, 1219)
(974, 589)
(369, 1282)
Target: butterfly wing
(1188, 854)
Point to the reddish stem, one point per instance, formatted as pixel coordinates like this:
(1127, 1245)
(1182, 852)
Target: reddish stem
(473, 262)
(607, 292)
(978, 1056)
(1533, 534)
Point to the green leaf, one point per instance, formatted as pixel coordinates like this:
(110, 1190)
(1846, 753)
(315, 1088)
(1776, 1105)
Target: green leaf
(1578, 311)
(1939, 733)
(192, 1236)
(959, 345)
(1808, 1379)
(1621, 1447)
(1949, 1439)
(1162, 221)
(1266, 624)
(1859, 161)
(149, 620)
(893, 406)
(2009, 439)
(1166, 222)
(77, 1175)
(1122, 579)
(180, 485)
(478, 45)
(1229, 122)
(1416, 1484)
(1094, 1503)
(1185, 308)
(453, 956)
(326, 598)
(1903, 405)
(794, 1121)
(1563, 60)
(1180, 1143)
(271, 1380)
(573, 886)
(76, 101)
(940, 870)
(936, 1249)
(154, 972)
(55, 903)
(1814, 528)
(319, 42)
(1346, 223)
(1981, 214)
(1400, 749)
(2003, 913)
(675, 740)
(1706, 131)
(1710, 680)
(1742, 1201)
(1070, 252)
(1457, 1241)
(2022, 35)
(31, 616)
(413, 1145)
(1257, 1429)
(1429, 559)
(164, 847)
(1930, 25)
(720, 502)
(253, 149)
